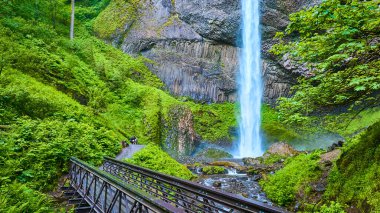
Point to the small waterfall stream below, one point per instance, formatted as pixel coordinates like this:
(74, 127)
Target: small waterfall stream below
(235, 183)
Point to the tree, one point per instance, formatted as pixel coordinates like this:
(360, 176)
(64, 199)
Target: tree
(339, 41)
(72, 19)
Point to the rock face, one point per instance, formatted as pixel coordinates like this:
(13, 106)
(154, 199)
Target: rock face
(282, 149)
(194, 44)
(181, 139)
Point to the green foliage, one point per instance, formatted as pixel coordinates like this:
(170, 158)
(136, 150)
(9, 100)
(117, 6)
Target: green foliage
(283, 186)
(334, 207)
(215, 121)
(354, 179)
(153, 157)
(274, 129)
(212, 170)
(337, 41)
(273, 158)
(115, 16)
(16, 197)
(214, 153)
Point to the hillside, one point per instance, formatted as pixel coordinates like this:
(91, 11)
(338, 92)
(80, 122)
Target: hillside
(62, 98)
(164, 71)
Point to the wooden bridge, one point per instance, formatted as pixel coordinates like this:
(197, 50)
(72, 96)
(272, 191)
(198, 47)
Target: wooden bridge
(122, 187)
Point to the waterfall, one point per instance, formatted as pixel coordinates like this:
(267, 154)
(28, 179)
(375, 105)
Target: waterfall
(250, 82)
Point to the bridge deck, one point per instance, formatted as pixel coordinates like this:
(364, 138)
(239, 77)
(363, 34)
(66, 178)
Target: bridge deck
(124, 187)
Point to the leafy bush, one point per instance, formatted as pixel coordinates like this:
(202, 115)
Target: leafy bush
(214, 153)
(337, 42)
(214, 122)
(283, 186)
(16, 197)
(153, 157)
(38, 151)
(212, 170)
(334, 207)
(354, 179)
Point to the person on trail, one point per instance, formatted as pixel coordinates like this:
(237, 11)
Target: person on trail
(133, 140)
(124, 144)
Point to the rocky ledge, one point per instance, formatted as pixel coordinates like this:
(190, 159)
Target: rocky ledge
(194, 45)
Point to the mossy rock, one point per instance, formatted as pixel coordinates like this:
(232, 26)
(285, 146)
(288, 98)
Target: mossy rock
(213, 170)
(214, 154)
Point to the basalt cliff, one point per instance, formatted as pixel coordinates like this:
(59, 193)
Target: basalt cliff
(194, 45)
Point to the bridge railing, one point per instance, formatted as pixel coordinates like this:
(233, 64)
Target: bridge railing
(104, 193)
(190, 196)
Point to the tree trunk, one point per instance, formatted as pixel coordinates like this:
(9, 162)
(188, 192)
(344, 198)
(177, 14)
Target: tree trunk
(72, 19)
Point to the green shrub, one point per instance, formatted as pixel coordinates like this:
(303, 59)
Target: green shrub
(214, 153)
(334, 207)
(212, 170)
(16, 197)
(37, 152)
(283, 186)
(355, 177)
(335, 43)
(215, 121)
(153, 157)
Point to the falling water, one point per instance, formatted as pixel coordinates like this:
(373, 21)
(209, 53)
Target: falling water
(250, 82)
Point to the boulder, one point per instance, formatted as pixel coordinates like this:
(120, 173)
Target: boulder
(282, 149)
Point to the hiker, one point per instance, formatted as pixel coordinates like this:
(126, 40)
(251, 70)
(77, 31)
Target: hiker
(133, 140)
(124, 144)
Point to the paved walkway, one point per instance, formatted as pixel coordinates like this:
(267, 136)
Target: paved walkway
(129, 151)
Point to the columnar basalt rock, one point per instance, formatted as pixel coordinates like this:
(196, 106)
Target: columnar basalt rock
(181, 138)
(195, 45)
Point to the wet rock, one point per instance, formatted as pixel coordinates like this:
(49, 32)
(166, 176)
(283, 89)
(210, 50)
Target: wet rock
(282, 149)
(319, 187)
(252, 161)
(297, 206)
(335, 145)
(244, 194)
(217, 184)
(181, 139)
(228, 164)
(213, 154)
(329, 157)
(257, 177)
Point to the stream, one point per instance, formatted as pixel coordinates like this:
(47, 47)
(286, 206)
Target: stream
(236, 183)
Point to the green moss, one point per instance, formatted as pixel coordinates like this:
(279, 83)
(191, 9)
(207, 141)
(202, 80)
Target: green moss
(355, 177)
(172, 19)
(333, 207)
(214, 153)
(153, 157)
(273, 129)
(114, 18)
(214, 122)
(274, 158)
(351, 123)
(283, 186)
(213, 170)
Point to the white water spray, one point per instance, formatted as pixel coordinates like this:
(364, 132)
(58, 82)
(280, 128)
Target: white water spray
(250, 82)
